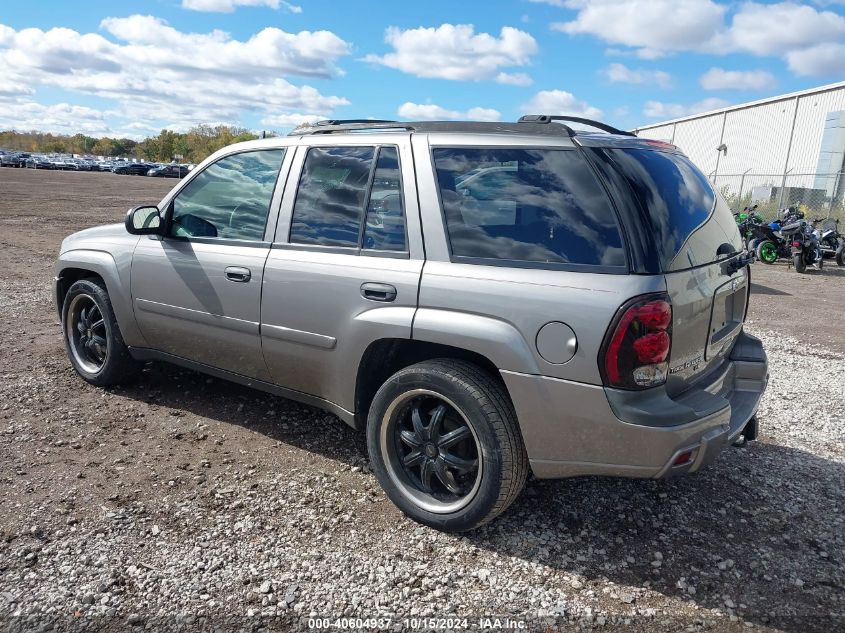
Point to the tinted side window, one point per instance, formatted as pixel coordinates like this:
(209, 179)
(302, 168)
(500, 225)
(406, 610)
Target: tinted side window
(385, 224)
(533, 205)
(329, 204)
(230, 199)
(689, 222)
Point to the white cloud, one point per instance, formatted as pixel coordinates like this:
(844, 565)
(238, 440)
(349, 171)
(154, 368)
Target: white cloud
(620, 73)
(227, 6)
(824, 59)
(432, 112)
(559, 102)
(291, 120)
(809, 39)
(776, 29)
(660, 110)
(157, 73)
(60, 118)
(514, 79)
(720, 79)
(650, 25)
(456, 51)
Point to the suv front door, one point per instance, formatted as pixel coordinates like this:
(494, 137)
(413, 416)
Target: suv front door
(197, 290)
(345, 266)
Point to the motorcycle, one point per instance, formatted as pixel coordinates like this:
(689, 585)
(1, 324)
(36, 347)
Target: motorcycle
(831, 241)
(747, 221)
(768, 241)
(804, 245)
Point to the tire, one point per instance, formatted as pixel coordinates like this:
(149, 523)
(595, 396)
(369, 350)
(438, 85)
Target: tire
(87, 316)
(472, 399)
(840, 257)
(800, 264)
(767, 252)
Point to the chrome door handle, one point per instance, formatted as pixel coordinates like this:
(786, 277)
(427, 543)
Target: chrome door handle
(378, 292)
(238, 274)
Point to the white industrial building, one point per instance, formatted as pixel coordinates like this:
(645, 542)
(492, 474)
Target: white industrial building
(782, 150)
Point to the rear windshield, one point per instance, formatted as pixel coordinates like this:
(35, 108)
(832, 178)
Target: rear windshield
(542, 206)
(689, 221)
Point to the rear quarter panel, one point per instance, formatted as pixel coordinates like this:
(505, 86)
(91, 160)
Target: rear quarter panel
(497, 311)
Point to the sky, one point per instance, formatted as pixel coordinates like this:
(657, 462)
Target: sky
(134, 68)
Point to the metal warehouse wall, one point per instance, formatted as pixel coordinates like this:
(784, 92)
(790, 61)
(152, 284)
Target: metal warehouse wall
(773, 136)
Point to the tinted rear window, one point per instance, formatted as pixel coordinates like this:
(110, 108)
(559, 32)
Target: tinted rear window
(542, 206)
(688, 220)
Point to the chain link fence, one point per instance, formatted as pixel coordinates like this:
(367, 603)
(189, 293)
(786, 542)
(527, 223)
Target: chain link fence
(817, 195)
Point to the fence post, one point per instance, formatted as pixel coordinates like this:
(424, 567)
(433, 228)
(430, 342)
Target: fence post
(833, 193)
(783, 187)
(741, 185)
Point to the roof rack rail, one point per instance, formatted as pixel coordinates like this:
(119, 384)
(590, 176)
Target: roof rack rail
(548, 118)
(469, 127)
(330, 126)
(350, 121)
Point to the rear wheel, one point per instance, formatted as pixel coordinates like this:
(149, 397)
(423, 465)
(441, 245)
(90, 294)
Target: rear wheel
(92, 337)
(840, 257)
(767, 252)
(800, 263)
(445, 444)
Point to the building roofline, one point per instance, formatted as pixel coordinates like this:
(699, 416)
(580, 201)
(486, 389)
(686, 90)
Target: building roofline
(749, 104)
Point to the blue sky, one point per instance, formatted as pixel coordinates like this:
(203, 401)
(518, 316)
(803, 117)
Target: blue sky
(133, 68)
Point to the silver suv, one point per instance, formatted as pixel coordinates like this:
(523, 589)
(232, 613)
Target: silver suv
(484, 299)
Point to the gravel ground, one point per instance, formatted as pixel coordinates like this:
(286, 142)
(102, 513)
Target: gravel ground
(184, 502)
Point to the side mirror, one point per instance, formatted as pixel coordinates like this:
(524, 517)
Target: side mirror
(144, 220)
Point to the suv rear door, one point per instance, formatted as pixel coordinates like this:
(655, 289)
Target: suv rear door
(345, 265)
(693, 238)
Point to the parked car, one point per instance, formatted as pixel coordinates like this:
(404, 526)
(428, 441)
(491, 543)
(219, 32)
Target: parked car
(482, 299)
(15, 159)
(168, 171)
(38, 162)
(134, 169)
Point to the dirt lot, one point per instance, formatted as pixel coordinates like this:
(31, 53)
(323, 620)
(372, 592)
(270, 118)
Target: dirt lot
(185, 501)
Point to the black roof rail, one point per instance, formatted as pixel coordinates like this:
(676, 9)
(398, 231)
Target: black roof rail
(548, 118)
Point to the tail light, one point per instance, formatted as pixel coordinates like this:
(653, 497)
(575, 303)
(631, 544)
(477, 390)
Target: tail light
(636, 347)
(797, 244)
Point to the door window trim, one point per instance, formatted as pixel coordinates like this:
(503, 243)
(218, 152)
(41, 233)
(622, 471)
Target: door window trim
(359, 249)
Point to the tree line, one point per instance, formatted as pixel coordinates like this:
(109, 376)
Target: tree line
(193, 145)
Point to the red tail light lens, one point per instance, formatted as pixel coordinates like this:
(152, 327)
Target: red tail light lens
(652, 347)
(638, 343)
(797, 244)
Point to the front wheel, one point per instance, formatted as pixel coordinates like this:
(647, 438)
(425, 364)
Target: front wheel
(445, 445)
(767, 252)
(800, 262)
(92, 337)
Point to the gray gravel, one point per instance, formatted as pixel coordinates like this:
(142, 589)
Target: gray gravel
(757, 539)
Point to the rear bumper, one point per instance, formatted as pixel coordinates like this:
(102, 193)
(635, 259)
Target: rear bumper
(573, 429)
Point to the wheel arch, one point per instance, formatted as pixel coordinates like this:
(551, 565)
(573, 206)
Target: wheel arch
(384, 357)
(80, 264)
